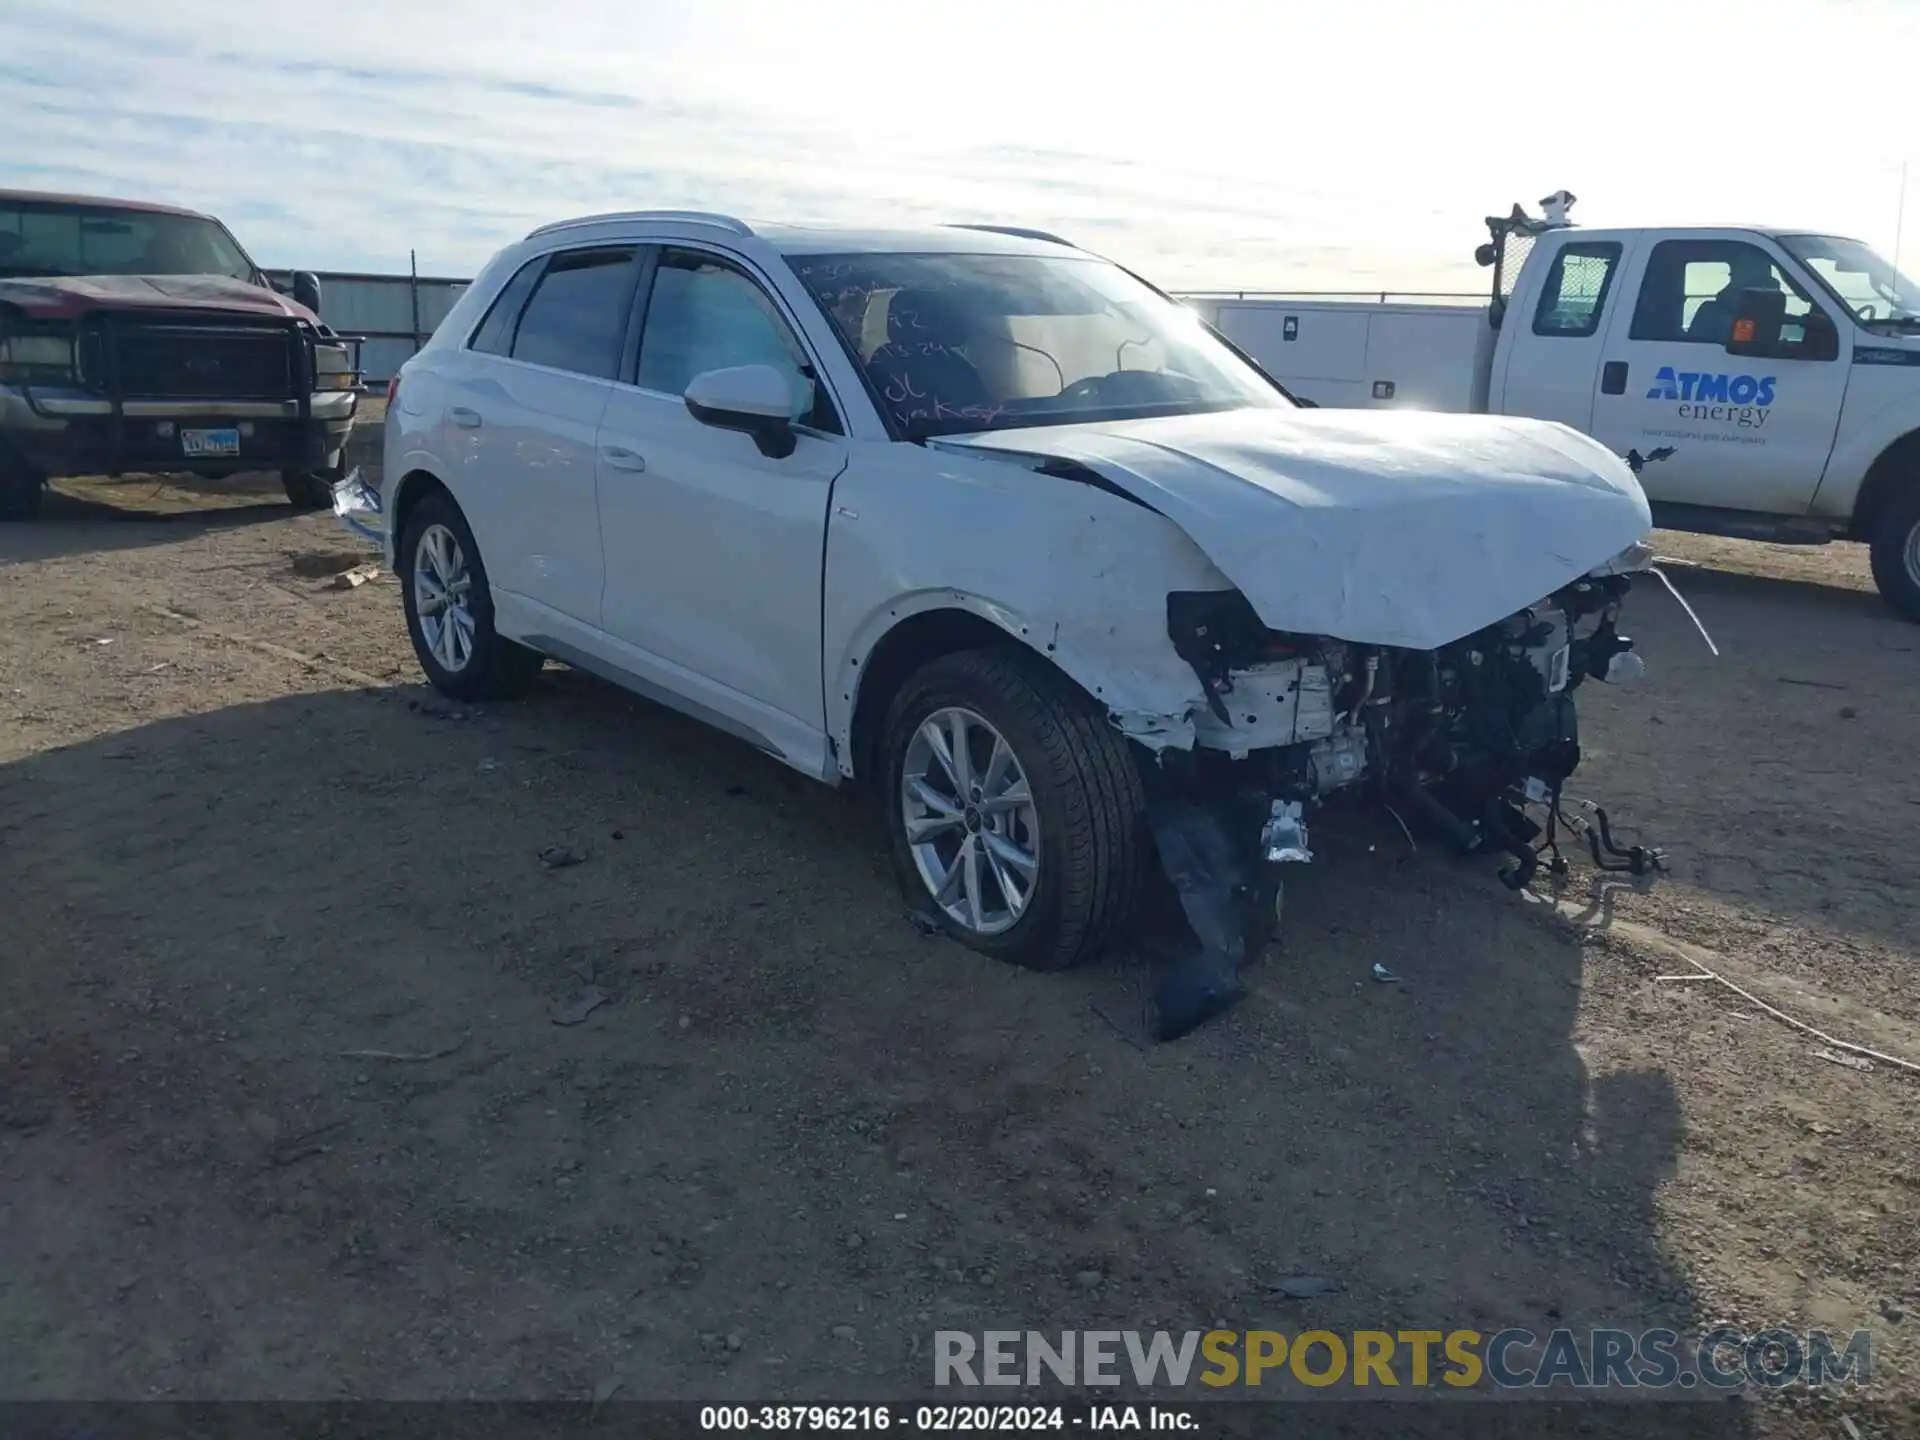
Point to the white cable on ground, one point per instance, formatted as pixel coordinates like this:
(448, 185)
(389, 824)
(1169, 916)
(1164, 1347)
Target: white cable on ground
(1705, 974)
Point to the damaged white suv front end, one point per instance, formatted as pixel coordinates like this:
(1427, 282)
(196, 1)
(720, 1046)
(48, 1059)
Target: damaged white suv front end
(1415, 599)
(996, 529)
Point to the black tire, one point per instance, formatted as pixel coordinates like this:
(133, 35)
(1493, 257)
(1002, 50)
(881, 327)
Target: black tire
(20, 492)
(310, 489)
(496, 669)
(1086, 790)
(1896, 553)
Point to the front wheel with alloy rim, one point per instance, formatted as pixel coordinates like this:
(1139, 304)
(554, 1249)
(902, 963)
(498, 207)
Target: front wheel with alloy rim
(1896, 553)
(1014, 811)
(450, 609)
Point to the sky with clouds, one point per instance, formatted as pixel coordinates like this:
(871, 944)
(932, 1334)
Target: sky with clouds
(1209, 143)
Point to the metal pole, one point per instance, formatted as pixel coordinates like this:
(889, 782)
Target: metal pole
(1899, 222)
(413, 292)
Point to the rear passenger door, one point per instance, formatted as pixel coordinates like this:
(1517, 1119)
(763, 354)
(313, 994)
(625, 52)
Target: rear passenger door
(1551, 368)
(520, 428)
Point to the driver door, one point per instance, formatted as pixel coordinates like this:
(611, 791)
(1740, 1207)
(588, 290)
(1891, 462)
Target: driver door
(714, 550)
(1746, 433)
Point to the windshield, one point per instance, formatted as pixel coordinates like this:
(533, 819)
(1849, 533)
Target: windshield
(1858, 277)
(952, 344)
(39, 238)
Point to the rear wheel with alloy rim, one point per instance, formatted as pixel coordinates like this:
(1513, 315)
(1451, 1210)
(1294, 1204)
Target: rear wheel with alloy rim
(1014, 811)
(450, 608)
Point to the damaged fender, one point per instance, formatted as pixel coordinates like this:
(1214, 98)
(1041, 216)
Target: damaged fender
(1078, 573)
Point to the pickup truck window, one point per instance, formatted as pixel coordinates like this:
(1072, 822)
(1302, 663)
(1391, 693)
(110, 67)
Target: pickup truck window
(1859, 278)
(1576, 290)
(1691, 288)
(49, 238)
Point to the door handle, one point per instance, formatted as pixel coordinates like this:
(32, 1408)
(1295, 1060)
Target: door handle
(463, 417)
(621, 458)
(1613, 378)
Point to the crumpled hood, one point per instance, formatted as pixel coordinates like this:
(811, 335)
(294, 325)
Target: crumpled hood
(1381, 527)
(66, 296)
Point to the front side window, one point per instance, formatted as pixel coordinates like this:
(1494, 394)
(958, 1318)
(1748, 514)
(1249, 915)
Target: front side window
(1577, 285)
(705, 314)
(1691, 292)
(47, 238)
(577, 314)
(953, 344)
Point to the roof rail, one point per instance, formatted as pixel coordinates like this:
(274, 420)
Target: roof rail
(690, 217)
(1019, 231)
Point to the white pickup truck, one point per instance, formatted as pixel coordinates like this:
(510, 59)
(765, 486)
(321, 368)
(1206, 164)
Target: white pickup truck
(1765, 382)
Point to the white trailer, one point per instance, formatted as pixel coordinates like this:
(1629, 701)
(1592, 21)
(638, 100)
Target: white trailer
(1764, 380)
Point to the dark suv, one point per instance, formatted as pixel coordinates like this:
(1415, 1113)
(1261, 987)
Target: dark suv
(142, 338)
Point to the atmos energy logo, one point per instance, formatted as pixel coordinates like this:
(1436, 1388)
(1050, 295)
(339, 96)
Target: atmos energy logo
(1743, 400)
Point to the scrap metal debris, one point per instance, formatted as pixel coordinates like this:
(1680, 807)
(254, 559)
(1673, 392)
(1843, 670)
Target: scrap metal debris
(576, 1010)
(1304, 1287)
(1852, 1062)
(1208, 876)
(1384, 975)
(357, 504)
(559, 857)
(403, 1055)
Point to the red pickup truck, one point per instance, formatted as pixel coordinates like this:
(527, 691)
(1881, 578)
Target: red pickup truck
(140, 338)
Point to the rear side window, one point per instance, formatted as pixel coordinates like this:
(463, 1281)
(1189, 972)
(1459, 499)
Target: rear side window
(495, 335)
(1577, 286)
(578, 313)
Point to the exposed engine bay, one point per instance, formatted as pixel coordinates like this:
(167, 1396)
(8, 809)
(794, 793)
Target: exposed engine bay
(1458, 743)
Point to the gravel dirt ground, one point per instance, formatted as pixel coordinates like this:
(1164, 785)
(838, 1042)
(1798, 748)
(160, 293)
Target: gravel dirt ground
(286, 1112)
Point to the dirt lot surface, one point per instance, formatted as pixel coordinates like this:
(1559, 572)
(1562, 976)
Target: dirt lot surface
(285, 1111)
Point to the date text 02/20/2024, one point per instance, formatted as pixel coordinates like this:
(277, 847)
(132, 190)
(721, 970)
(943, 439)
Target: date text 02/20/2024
(948, 1419)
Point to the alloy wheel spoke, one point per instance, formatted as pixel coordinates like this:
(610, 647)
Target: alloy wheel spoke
(958, 753)
(1015, 797)
(1001, 770)
(936, 739)
(970, 858)
(943, 805)
(1015, 897)
(1014, 857)
(949, 889)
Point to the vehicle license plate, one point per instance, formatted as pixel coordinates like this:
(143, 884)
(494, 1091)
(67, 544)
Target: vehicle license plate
(210, 442)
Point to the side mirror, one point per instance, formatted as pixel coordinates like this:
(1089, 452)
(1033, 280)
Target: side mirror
(1822, 338)
(306, 291)
(756, 400)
